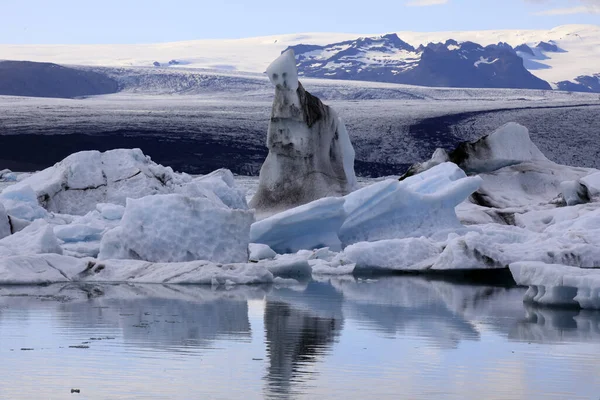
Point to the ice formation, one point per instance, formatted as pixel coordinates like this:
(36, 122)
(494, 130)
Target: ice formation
(218, 185)
(310, 154)
(79, 182)
(558, 285)
(176, 228)
(37, 238)
(260, 251)
(52, 268)
(308, 226)
(421, 205)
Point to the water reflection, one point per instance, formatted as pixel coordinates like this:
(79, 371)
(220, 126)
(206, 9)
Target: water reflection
(342, 336)
(300, 328)
(543, 325)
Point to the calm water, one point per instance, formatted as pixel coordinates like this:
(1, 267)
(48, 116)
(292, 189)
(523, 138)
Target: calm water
(398, 337)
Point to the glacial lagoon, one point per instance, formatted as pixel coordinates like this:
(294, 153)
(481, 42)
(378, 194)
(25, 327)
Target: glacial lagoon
(402, 337)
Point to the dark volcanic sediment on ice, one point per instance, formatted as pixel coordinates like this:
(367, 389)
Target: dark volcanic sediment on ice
(387, 137)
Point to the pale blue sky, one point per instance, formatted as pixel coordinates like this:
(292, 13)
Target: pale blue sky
(146, 21)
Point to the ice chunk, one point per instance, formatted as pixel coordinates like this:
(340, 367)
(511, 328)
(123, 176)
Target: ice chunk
(218, 185)
(592, 183)
(6, 175)
(283, 72)
(288, 266)
(53, 268)
(260, 251)
(79, 182)
(37, 238)
(558, 285)
(574, 193)
(21, 202)
(508, 145)
(306, 227)
(176, 228)
(78, 233)
(310, 153)
(195, 272)
(112, 212)
(421, 205)
(411, 254)
(39, 269)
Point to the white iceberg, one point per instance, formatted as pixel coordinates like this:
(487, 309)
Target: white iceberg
(421, 205)
(558, 285)
(410, 254)
(20, 201)
(79, 182)
(54, 268)
(37, 238)
(259, 251)
(306, 227)
(176, 228)
(218, 186)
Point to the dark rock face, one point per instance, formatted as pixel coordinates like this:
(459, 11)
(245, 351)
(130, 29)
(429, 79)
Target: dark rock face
(32, 79)
(493, 66)
(523, 48)
(389, 59)
(549, 47)
(586, 83)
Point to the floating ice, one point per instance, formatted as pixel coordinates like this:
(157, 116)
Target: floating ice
(420, 205)
(310, 154)
(194, 272)
(260, 251)
(558, 285)
(176, 228)
(508, 145)
(305, 227)
(218, 185)
(112, 212)
(6, 175)
(51, 268)
(79, 182)
(21, 202)
(411, 254)
(37, 238)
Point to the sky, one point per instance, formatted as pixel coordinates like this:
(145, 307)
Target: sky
(151, 21)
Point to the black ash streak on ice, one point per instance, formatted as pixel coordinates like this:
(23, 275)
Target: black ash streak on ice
(197, 144)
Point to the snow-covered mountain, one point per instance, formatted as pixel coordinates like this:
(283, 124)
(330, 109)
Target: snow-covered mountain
(557, 56)
(389, 59)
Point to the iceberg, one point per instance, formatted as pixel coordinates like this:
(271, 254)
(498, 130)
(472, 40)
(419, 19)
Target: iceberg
(54, 268)
(310, 153)
(79, 182)
(306, 227)
(422, 205)
(176, 228)
(558, 285)
(37, 238)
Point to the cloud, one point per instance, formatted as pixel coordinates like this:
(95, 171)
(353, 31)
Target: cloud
(425, 3)
(568, 7)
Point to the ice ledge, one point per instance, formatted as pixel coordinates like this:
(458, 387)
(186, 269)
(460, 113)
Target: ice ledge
(558, 285)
